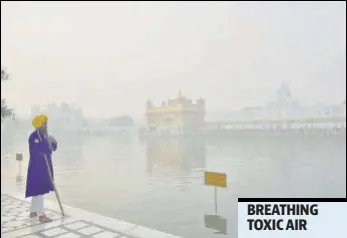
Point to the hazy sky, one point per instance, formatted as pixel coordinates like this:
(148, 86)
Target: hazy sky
(110, 57)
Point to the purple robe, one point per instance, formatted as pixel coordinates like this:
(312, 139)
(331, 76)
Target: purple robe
(38, 180)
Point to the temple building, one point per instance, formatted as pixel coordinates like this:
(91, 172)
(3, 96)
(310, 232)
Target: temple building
(62, 118)
(176, 115)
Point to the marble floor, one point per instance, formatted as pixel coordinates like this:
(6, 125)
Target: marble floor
(15, 222)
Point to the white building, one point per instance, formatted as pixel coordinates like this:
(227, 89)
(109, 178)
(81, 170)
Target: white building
(286, 108)
(64, 117)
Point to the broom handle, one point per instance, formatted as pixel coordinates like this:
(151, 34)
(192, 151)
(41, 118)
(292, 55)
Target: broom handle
(51, 178)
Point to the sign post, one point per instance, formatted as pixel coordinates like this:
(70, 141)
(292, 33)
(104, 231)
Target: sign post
(215, 200)
(214, 221)
(19, 158)
(216, 180)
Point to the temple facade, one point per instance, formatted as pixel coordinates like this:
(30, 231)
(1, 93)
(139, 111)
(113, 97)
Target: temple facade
(175, 115)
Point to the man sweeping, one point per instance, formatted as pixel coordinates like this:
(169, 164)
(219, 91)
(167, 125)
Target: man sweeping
(38, 179)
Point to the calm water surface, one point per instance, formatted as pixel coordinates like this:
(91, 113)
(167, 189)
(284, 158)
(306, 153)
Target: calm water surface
(158, 183)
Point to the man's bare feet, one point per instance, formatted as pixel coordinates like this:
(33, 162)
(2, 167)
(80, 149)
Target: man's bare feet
(33, 214)
(44, 219)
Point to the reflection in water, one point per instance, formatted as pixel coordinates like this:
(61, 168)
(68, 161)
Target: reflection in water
(70, 152)
(180, 155)
(217, 223)
(19, 179)
(171, 162)
(159, 183)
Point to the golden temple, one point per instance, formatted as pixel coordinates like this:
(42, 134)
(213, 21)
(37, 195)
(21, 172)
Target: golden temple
(175, 115)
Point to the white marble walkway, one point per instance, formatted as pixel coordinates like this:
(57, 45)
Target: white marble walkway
(15, 222)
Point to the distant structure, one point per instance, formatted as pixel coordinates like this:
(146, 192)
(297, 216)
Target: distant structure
(121, 125)
(284, 96)
(176, 115)
(64, 117)
(283, 107)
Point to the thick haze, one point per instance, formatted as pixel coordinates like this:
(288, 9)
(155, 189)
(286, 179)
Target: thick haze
(110, 57)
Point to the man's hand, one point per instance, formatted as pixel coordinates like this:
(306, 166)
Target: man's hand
(51, 139)
(52, 143)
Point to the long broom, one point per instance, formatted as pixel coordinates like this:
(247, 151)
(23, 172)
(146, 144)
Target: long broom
(52, 181)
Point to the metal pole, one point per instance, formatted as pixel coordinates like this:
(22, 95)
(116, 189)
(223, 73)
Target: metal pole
(19, 158)
(215, 200)
(19, 169)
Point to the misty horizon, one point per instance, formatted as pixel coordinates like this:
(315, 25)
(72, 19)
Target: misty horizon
(110, 58)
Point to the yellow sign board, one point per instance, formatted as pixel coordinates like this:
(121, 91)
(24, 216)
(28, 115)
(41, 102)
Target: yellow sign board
(216, 179)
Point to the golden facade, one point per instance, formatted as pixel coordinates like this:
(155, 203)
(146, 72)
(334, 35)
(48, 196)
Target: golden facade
(178, 114)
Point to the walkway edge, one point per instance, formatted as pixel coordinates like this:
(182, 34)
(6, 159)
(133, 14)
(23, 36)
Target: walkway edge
(76, 214)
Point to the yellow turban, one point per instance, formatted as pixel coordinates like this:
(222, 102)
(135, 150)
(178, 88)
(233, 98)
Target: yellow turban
(39, 120)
